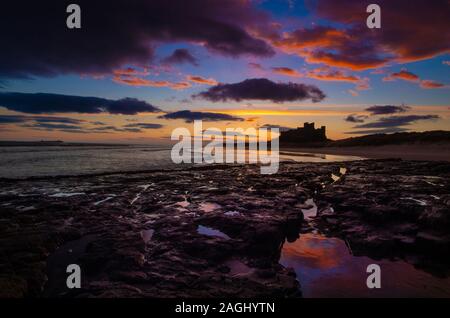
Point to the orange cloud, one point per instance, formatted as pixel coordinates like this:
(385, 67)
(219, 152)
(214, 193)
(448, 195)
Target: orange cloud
(252, 119)
(330, 46)
(311, 38)
(202, 80)
(327, 74)
(353, 92)
(344, 59)
(411, 77)
(138, 81)
(402, 39)
(279, 112)
(404, 75)
(428, 84)
(286, 71)
(129, 71)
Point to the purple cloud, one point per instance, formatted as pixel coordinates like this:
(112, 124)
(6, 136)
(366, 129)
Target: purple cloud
(387, 109)
(189, 116)
(180, 56)
(396, 121)
(262, 89)
(38, 43)
(41, 103)
(354, 118)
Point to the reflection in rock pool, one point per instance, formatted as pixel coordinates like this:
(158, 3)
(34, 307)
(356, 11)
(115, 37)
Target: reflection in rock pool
(209, 207)
(238, 268)
(310, 212)
(211, 232)
(326, 268)
(147, 235)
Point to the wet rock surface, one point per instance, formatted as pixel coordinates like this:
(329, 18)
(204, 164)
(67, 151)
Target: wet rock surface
(214, 231)
(392, 209)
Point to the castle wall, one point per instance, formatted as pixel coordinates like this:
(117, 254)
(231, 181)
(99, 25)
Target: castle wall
(306, 134)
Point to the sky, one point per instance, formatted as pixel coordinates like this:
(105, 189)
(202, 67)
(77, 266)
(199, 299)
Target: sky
(137, 70)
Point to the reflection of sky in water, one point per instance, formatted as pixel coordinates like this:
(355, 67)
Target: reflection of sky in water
(311, 212)
(63, 160)
(326, 268)
(238, 268)
(73, 160)
(292, 156)
(204, 230)
(316, 157)
(209, 206)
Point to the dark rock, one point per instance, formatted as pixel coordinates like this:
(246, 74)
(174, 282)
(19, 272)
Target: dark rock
(382, 208)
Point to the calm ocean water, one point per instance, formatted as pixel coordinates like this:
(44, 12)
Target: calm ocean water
(21, 162)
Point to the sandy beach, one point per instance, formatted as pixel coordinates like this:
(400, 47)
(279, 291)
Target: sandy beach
(430, 152)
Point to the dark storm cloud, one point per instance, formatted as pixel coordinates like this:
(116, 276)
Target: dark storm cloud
(190, 116)
(262, 89)
(36, 41)
(387, 109)
(130, 106)
(411, 30)
(180, 56)
(108, 129)
(73, 131)
(72, 125)
(40, 103)
(65, 120)
(397, 121)
(48, 126)
(79, 129)
(133, 130)
(354, 118)
(144, 125)
(12, 119)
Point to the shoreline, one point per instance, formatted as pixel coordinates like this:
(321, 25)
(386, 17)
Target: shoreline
(423, 152)
(223, 231)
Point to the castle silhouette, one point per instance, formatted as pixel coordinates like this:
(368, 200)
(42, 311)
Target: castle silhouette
(306, 134)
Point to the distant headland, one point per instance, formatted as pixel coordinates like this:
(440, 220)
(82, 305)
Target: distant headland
(49, 143)
(309, 136)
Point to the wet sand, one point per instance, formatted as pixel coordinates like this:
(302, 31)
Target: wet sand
(430, 152)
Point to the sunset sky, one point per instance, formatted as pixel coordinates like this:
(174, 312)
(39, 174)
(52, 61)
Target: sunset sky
(138, 69)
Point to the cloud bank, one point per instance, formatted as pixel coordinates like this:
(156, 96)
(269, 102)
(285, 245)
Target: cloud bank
(387, 109)
(41, 103)
(412, 30)
(40, 44)
(189, 116)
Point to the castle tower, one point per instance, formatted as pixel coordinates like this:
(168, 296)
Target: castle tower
(308, 126)
(306, 134)
(323, 131)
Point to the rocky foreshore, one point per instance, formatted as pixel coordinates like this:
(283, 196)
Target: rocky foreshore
(214, 231)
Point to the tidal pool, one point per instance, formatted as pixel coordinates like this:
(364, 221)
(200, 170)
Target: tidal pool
(325, 267)
(204, 230)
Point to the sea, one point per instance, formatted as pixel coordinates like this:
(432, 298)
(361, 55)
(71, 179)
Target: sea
(39, 161)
